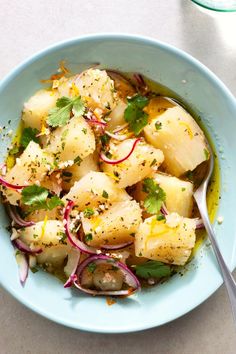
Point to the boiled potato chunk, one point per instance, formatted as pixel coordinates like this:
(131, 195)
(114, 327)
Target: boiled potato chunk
(179, 194)
(74, 140)
(93, 189)
(96, 88)
(74, 173)
(32, 166)
(50, 236)
(176, 133)
(116, 225)
(169, 241)
(137, 166)
(37, 107)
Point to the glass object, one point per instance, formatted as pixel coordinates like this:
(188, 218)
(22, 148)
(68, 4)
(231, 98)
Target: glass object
(217, 5)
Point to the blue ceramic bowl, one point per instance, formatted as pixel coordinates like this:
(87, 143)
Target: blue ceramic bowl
(208, 96)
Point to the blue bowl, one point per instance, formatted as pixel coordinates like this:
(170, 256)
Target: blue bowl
(209, 98)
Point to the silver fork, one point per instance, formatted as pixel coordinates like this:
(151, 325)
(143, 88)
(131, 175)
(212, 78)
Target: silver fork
(200, 197)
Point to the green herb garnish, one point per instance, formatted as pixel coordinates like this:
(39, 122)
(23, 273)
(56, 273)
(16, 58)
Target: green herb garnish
(134, 114)
(156, 196)
(91, 267)
(38, 198)
(105, 194)
(60, 115)
(88, 212)
(78, 160)
(28, 135)
(158, 125)
(88, 237)
(153, 269)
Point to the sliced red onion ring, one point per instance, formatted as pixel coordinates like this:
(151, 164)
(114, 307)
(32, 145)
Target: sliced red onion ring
(3, 168)
(23, 266)
(25, 248)
(96, 122)
(73, 260)
(117, 130)
(164, 211)
(139, 79)
(199, 224)
(104, 158)
(10, 185)
(12, 211)
(75, 242)
(117, 247)
(130, 278)
(116, 136)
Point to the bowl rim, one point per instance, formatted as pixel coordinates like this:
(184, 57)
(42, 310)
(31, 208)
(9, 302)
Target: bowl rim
(116, 37)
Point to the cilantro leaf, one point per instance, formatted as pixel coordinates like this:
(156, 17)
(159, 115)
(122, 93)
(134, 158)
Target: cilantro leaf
(153, 269)
(88, 212)
(34, 195)
(36, 198)
(134, 114)
(156, 196)
(54, 202)
(60, 115)
(28, 135)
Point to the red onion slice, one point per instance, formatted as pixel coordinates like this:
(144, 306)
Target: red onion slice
(117, 247)
(96, 122)
(130, 278)
(140, 80)
(10, 185)
(117, 130)
(105, 159)
(75, 242)
(199, 224)
(25, 248)
(3, 169)
(164, 210)
(23, 267)
(12, 211)
(116, 136)
(74, 261)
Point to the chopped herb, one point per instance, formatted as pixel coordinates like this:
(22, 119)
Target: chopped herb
(28, 135)
(91, 267)
(160, 217)
(78, 160)
(183, 189)
(153, 162)
(60, 115)
(105, 194)
(66, 174)
(189, 175)
(158, 125)
(105, 139)
(84, 130)
(153, 269)
(14, 150)
(63, 238)
(207, 154)
(34, 269)
(134, 114)
(88, 237)
(88, 212)
(156, 196)
(38, 198)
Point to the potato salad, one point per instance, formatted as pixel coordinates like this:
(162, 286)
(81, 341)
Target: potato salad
(99, 183)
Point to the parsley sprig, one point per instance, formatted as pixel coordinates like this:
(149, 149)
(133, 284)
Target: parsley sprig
(37, 197)
(155, 196)
(134, 114)
(153, 269)
(60, 115)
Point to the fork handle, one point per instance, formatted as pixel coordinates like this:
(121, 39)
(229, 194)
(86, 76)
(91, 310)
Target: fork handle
(226, 274)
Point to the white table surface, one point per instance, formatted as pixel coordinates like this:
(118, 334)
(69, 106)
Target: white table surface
(28, 26)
